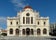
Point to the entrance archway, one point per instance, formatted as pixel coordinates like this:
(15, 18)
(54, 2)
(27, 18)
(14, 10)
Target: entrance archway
(17, 31)
(38, 31)
(27, 31)
(44, 31)
(11, 31)
(23, 31)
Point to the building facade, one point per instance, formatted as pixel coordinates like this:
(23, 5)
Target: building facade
(28, 23)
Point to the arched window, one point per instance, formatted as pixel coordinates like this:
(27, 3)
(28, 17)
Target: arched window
(44, 31)
(17, 31)
(27, 31)
(11, 31)
(17, 22)
(23, 31)
(38, 22)
(31, 20)
(23, 20)
(38, 31)
(32, 31)
(11, 23)
(27, 20)
(44, 23)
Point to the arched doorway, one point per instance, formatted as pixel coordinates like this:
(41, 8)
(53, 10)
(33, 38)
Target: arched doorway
(11, 31)
(27, 31)
(38, 31)
(17, 31)
(44, 31)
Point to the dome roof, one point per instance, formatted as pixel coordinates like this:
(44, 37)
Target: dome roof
(27, 7)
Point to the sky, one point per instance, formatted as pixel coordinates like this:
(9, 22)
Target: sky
(11, 7)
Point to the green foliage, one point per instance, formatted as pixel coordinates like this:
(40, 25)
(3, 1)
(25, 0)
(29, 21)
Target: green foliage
(4, 34)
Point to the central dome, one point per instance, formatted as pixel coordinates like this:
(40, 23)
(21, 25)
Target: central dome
(27, 7)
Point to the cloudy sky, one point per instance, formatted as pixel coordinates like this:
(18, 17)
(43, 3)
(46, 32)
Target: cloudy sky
(11, 7)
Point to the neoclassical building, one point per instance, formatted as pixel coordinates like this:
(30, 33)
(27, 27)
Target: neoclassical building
(28, 23)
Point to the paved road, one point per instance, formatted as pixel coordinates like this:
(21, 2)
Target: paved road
(27, 38)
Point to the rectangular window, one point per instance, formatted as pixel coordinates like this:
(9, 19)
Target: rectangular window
(23, 20)
(27, 20)
(31, 20)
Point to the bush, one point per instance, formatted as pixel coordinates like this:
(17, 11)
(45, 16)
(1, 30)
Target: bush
(4, 34)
